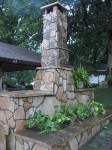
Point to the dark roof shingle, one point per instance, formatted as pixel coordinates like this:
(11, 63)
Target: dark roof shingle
(20, 56)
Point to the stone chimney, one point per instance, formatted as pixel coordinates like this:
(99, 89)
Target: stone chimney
(55, 77)
(54, 52)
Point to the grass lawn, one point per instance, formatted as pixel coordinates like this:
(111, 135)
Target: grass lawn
(104, 96)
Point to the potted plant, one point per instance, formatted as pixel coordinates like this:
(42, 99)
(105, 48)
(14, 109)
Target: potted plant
(81, 77)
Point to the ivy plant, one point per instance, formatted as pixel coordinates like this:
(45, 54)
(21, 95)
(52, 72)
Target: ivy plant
(66, 114)
(82, 111)
(97, 108)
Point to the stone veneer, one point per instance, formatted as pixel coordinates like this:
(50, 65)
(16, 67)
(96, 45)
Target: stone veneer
(16, 107)
(54, 52)
(71, 138)
(59, 80)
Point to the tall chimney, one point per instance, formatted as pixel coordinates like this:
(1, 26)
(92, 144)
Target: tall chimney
(55, 77)
(54, 52)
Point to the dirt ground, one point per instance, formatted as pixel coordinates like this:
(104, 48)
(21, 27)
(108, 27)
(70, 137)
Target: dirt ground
(102, 141)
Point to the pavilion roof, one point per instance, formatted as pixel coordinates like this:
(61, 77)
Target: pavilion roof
(14, 58)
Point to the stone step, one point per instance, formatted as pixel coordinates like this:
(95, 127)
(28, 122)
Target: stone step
(70, 138)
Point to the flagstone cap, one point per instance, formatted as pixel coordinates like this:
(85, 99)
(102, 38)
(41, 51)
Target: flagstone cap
(60, 6)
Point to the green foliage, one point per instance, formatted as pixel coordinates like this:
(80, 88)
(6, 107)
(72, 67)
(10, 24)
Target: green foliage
(10, 82)
(67, 110)
(47, 123)
(82, 111)
(110, 82)
(19, 76)
(66, 114)
(92, 70)
(50, 126)
(60, 118)
(88, 31)
(104, 96)
(97, 108)
(8, 21)
(80, 74)
(37, 120)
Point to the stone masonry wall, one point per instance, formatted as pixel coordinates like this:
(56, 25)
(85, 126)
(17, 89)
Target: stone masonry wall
(2, 137)
(60, 81)
(15, 111)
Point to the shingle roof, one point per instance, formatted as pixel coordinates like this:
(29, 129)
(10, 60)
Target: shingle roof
(19, 57)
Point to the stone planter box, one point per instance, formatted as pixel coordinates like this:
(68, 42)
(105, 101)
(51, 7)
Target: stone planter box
(17, 106)
(71, 138)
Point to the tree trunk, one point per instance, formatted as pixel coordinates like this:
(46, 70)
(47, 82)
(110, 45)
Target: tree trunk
(109, 4)
(110, 53)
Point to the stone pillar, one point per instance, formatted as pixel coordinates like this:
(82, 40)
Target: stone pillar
(54, 52)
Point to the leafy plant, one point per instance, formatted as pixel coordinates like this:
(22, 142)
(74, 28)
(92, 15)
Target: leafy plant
(67, 110)
(97, 108)
(37, 120)
(47, 123)
(50, 126)
(60, 118)
(66, 114)
(82, 111)
(80, 74)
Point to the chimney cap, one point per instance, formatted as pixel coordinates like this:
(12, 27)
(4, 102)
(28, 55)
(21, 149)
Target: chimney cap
(54, 4)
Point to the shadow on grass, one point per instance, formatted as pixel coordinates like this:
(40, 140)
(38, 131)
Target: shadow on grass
(104, 96)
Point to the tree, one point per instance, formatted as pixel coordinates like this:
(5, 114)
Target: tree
(8, 22)
(87, 23)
